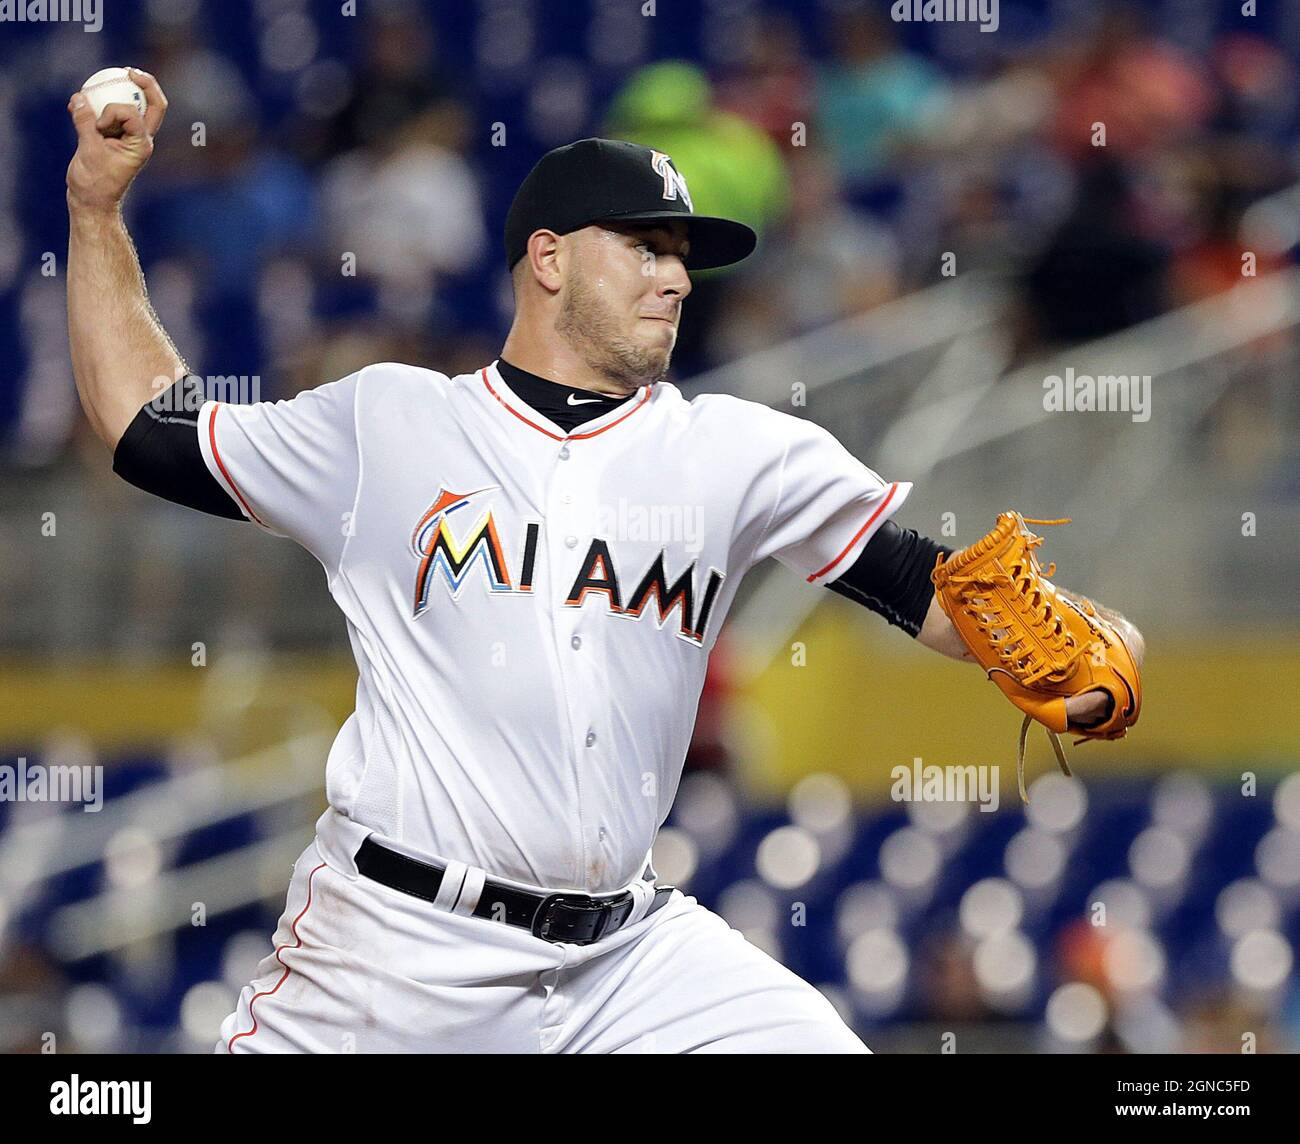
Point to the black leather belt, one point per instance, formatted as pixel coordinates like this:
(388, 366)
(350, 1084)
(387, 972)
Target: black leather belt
(579, 919)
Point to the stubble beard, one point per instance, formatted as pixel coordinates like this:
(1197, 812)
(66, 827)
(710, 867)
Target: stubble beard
(587, 324)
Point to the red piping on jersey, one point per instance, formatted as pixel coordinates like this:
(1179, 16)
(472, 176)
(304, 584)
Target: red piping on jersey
(572, 436)
(884, 504)
(216, 456)
(230, 1045)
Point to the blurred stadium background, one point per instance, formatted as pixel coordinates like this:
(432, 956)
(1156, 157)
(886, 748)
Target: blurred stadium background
(204, 667)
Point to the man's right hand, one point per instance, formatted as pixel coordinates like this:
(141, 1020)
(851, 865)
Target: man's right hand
(114, 148)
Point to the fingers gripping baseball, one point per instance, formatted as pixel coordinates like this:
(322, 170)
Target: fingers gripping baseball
(113, 146)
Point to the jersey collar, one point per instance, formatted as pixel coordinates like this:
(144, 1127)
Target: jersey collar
(517, 410)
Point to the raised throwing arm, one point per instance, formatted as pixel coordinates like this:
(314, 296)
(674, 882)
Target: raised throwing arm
(121, 355)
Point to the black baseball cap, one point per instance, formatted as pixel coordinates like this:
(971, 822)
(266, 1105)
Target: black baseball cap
(608, 180)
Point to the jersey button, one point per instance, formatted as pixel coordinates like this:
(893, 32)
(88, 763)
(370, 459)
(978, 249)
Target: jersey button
(571, 541)
(591, 738)
(576, 642)
(564, 452)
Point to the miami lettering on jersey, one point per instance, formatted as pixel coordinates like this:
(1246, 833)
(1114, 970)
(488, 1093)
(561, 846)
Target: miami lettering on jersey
(439, 550)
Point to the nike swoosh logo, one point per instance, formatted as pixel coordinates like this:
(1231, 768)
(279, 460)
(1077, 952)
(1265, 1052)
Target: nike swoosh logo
(581, 400)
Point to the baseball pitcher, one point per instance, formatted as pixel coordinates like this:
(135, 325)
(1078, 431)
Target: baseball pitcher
(528, 671)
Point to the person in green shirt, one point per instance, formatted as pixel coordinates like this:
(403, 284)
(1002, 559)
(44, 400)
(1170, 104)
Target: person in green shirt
(732, 167)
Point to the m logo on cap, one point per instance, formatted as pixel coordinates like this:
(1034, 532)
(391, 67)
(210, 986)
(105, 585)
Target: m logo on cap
(674, 184)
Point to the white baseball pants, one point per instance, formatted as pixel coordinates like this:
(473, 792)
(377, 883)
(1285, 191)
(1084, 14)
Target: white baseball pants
(359, 967)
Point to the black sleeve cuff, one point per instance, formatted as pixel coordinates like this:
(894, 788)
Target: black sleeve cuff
(160, 453)
(892, 576)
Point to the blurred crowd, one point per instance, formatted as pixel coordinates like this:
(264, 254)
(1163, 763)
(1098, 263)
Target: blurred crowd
(330, 192)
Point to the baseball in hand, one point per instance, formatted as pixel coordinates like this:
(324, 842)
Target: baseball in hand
(113, 85)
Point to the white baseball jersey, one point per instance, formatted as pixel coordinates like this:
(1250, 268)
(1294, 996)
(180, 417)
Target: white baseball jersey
(531, 611)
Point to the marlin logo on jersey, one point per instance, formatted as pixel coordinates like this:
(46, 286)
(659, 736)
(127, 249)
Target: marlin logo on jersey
(674, 183)
(439, 550)
(436, 545)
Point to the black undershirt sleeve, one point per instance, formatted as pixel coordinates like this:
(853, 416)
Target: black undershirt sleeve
(159, 452)
(892, 576)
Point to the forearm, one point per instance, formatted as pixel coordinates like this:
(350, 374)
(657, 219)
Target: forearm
(121, 355)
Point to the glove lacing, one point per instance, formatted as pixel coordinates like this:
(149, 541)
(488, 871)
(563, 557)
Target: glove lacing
(1037, 645)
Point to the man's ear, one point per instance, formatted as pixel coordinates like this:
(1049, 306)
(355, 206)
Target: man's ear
(545, 259)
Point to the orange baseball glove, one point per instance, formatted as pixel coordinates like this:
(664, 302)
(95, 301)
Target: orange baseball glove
(1037, 644)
